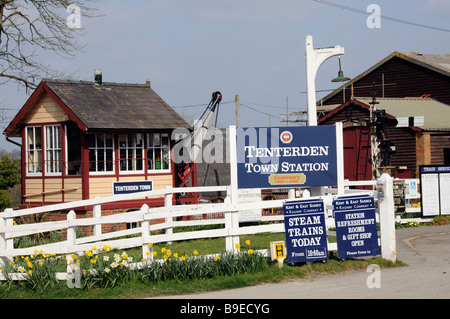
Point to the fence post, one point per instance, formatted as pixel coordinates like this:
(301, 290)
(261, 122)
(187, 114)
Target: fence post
(3, 259)
(168, 203)
(232, 193)
(71, 239)
(145, 228)
(97, 213)
(6, 244)
(387, 218)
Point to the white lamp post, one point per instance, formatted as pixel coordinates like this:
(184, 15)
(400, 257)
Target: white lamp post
(314, 59)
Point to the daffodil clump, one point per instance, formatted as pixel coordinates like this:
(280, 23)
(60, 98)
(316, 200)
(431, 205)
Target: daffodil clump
(38, 270)
(103, 268)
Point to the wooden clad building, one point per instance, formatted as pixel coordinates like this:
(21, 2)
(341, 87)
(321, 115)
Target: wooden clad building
(427, 144)
(399, 75)
(79, 138)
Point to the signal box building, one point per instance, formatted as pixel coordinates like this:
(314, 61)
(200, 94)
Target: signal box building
(79, 139)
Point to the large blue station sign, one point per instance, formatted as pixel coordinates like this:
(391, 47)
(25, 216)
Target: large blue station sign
(306, 236)
(356, 227)
(286, 157)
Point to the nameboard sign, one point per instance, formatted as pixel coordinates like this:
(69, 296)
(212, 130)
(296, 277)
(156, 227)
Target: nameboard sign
(249, 195)
(120, 188)
(271, 157)
(356, 227)
(306, 236)
(435, 190)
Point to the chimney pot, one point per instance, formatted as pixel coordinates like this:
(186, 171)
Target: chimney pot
(98, 77)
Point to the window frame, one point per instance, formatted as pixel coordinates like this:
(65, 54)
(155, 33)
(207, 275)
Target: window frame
(131, 147)
(104, 148)
(52, 132)
(35, 151)
(158, 148)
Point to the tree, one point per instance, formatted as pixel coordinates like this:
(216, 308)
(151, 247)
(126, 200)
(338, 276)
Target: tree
(9, 176)
(28, 27)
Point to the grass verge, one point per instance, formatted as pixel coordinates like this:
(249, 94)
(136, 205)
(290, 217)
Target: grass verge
(135, 288)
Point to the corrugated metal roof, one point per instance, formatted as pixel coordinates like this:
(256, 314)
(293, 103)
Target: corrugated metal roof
(116, 105)
(436, 114)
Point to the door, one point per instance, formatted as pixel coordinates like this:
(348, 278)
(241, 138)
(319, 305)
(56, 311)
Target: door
(357, 153)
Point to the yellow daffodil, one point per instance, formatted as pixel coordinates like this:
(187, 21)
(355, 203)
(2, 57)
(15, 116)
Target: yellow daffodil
(150, 245)
(250, 251)
(155, 253)
(175, 255)
(247, 242)
(237, 246)
(30, 272)
(195, 252)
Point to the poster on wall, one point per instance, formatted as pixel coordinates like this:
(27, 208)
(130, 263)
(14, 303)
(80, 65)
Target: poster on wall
(306, 237)
(271, 157)
(444, 192)
(356, 227)
(434, 190)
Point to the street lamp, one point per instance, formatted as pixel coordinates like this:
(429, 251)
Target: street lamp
(314, 59)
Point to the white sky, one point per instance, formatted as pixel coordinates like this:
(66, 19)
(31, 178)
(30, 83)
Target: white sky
(254, 48)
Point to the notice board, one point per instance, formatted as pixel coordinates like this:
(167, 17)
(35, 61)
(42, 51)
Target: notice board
(306, 236)
(435, 190)
(356, 227)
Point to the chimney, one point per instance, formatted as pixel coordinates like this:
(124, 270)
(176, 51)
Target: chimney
(98, 77)
(148, 83)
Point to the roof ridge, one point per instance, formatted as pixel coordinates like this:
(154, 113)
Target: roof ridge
(84, 82)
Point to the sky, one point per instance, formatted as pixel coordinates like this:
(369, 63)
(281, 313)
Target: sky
(189, 49)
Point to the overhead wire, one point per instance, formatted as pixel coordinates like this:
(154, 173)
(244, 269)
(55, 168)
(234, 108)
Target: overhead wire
(340, 6)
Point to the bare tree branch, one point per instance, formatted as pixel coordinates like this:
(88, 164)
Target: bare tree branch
(28, 27)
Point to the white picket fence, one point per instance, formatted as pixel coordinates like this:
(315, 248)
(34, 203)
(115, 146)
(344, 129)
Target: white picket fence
(170, 214)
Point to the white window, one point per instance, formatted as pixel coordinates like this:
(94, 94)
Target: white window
(34, 150)
(53, 149)
(131, 152)
(101, 153)
(158, 152)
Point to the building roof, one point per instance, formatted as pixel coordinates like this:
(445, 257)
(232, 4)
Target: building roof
(436, 114)
(112, 106)
(439, 63)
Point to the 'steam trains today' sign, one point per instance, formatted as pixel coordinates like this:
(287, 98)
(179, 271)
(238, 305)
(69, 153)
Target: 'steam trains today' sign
(286, 157)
